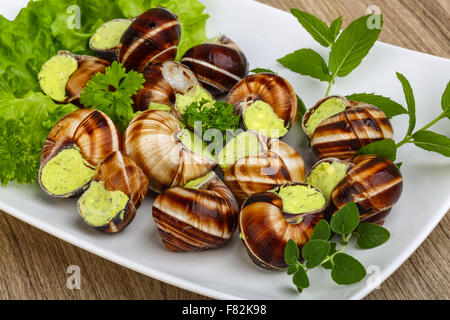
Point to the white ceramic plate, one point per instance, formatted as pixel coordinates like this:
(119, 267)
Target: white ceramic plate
(265, 34)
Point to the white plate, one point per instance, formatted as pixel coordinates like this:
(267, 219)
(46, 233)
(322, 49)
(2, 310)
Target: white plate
(265, 34)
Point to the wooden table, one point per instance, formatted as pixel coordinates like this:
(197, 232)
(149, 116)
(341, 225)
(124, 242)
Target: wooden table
(33, 264)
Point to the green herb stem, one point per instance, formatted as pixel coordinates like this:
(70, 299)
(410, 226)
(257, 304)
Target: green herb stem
(409, 137)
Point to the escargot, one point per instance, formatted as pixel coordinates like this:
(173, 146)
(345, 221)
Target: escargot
(152, 37)
(73, 149)
(169, 154)
(114, 195)
(200, 215)
(254, 163)
(375, 184)
(64, 75)
(339, 128)
(269, 219)
(163, 81)
(266, 102)
(218, 64)
(107, 39)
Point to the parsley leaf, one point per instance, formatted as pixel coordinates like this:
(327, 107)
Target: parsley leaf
(111, 93)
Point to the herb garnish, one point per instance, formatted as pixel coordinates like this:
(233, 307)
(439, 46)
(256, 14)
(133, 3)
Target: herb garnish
(111, 93)
(347, 51)
(320, 251)
(218, 115)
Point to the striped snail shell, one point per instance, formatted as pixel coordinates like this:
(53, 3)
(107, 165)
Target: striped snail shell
(344, 133)
(269, 88)
(218, 65)
(375, 184)
(89, 134)
(162, 82)
(265, 228)
(117, 172)
(153, 37)
(198, 218)
(276, 164)
(87, 67)
(153, 140)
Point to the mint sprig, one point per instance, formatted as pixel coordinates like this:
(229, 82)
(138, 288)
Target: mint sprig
(347, 49)
(422, 138)
(319, 250)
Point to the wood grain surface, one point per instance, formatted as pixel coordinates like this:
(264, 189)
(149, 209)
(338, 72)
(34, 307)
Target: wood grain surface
(33, 264)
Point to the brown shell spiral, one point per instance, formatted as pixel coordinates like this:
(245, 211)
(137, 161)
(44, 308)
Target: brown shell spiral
(92, 131)
(374, 184)
(119, 172)
(151, 140)
(265, 229)
(196, 219)
(218, 65)
(342, 135)
(270, 88)
(153, 37)
(162, 82)
(277, 164)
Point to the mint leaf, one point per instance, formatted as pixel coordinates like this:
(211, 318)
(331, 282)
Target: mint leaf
(346, 219)
(409, 96)
(317, 28)
(328, 265)
(388, 106)
(314, 252)
(300, 279)
(371, 235)
(347, 270)
(321, 231)
(384, 148)
(292, 269)
(301, 109)
(352, 46)
(262, 70)
(445, 101)
(399, 164)
(291, 253)
(432, 141)
(307, 62)
(335, 28)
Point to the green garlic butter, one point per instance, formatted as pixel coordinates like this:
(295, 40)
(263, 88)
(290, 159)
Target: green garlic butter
(194, 95)
(260, 117)
(194, 143)
(243, 145)
(300, 199)
(66, 172)
(99, 206)
(109, 35)
(196, 183)
(327, 109)
(54, 75)
(325, 176)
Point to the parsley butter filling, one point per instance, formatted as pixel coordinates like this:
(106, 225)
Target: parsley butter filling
(243, 145)
(326, 176)
(260, 117)
(99, 206)
(300, 198)
(327, 109)
(109, 35)
(66, 172)
(194, 143)
(194, 95)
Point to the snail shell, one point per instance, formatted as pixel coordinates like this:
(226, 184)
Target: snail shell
(265, 229)
(343, 134)
(87, 67)
(153, 37)
(151, 139)
(374, 184)
(270, 88)
(91, 131)
(277, 164)
(196, 219)
(119, 172)
(218, 65)
(162, 82)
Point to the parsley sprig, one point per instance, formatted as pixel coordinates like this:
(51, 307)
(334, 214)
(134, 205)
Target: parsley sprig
(347, 49)
(320, 251)
(111, 93)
